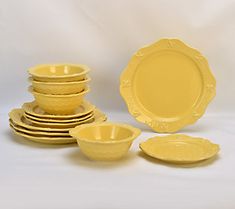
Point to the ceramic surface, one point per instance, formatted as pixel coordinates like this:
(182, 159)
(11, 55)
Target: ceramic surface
(104, 141)
(59, 72)
(167, 85)
(60, 88)
(59, 104)
(33, 109)
(179, 148)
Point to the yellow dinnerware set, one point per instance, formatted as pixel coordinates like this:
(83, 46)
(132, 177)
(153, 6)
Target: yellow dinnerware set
(166, 85)
(59, 104)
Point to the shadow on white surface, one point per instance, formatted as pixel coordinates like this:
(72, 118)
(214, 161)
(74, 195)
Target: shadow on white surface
(77, 158)
(194, 128)
(191, 165)
(22, 141)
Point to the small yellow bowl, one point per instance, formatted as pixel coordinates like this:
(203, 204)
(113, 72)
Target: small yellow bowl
(59, 72)
(59, 104)
(72, 87)
(104, 141)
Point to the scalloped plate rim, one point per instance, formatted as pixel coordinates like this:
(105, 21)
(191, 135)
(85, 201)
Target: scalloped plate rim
(159, 125)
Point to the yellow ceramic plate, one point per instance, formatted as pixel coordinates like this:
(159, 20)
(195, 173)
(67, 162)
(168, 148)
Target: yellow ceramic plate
(59, 125)
(33, 109)
(167, 85)
(16, 116)
(179, 148)
(49, 120)
(38, 133)
(44, 139)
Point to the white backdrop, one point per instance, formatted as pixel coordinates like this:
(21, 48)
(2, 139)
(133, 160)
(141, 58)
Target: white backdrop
(104, 34)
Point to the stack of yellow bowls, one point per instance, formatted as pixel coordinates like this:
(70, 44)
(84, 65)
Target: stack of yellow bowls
(59, 89)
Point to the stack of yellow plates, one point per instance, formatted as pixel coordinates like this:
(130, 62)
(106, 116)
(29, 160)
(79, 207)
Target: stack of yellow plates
(41, 127)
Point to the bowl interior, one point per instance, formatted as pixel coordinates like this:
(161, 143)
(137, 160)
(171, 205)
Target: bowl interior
(104, 133)
(57, 70)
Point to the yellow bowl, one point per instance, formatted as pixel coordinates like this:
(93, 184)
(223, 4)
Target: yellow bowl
(72, 87)
(59, 72)
(59, 104)
(104, 141)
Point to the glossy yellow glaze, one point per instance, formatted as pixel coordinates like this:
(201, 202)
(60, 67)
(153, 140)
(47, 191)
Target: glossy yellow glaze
(59, 72)
(167, 85)
(104, 141)
(60, 87)
(59, 104)
(179, 148)
(32, 108)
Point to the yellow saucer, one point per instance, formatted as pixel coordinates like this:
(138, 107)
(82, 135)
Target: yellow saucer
(179, 148)
(167, 85)
(33, 109)
(51, 120)
(16, 116)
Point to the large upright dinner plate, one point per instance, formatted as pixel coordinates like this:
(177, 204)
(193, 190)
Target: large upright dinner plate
(167, 85)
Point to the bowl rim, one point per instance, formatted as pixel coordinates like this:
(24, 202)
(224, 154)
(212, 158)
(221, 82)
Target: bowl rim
(85, 91)
(135, 132)
(87, 79)
(32, 72)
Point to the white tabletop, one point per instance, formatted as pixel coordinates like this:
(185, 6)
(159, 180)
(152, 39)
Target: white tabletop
(103, 35)
(45, 176)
